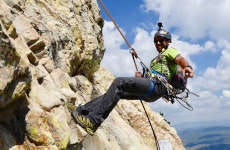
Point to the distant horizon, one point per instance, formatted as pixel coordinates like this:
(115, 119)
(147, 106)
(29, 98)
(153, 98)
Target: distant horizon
(196, 125)
(206, 138)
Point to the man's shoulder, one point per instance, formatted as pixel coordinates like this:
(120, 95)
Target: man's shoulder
(172, 49)
(172, 53)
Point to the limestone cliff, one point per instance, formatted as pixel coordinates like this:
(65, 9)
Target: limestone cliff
(50, 53)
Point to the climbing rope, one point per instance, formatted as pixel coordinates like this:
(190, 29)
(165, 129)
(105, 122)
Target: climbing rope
(134, 55)
(154, 134)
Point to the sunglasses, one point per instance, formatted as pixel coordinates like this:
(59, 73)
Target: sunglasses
(159, 40)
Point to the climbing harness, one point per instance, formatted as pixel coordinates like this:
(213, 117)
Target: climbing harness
(172, 93)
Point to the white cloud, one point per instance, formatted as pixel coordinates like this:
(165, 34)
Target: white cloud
(209, 45)
(143, 44)
(224, 61)
(112, 37)
(207, 108)
(216, 78)
(194, 18)
(116, 59)
(226, 93)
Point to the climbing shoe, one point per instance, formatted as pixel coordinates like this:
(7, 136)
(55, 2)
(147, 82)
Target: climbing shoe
(71, 107)
(89, 126)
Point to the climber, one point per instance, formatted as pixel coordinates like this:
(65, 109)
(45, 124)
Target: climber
(169, 64)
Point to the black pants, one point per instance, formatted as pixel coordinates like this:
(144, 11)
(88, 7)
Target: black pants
(131, 88)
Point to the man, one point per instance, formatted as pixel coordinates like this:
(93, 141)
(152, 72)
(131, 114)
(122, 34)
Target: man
(166, 64)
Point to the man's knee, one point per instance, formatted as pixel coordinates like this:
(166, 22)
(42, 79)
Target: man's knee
(118, 81)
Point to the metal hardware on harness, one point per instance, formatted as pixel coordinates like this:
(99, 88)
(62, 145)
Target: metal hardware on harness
(171, 91)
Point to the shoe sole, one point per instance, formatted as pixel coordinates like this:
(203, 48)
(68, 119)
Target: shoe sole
(88, 130)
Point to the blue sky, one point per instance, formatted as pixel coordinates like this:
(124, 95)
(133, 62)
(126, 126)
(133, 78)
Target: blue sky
(200, 30)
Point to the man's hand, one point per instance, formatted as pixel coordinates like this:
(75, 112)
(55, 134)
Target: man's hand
(186, 69)
(188, 72)
(138, 74)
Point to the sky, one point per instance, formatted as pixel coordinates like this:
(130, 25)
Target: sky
(200, 31)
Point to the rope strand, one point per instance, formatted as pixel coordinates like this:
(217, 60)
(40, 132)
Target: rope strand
(122, 35)
(154, 134)
(117, 27)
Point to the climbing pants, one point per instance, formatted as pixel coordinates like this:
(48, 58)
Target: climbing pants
(130, 88)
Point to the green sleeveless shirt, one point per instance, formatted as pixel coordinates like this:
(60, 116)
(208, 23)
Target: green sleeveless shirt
(164, 63)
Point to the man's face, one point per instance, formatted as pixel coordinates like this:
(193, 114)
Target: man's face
(160, 43)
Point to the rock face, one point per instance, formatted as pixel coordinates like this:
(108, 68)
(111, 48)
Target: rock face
(50, 53)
